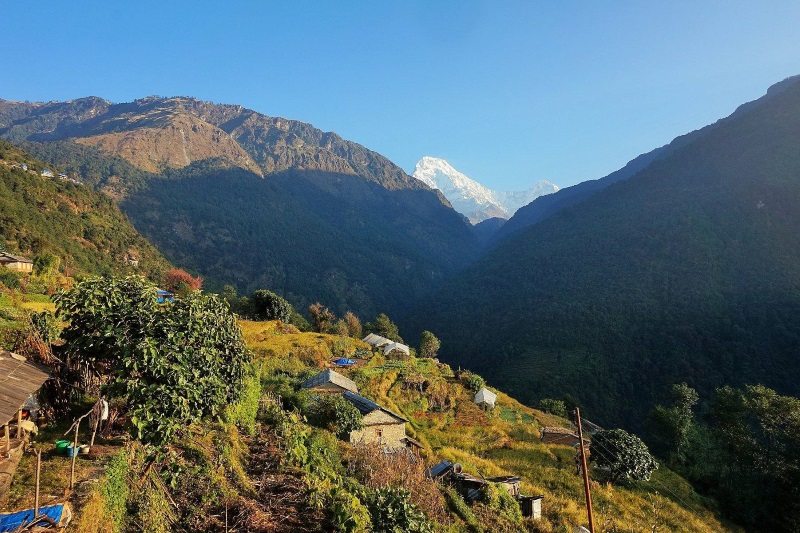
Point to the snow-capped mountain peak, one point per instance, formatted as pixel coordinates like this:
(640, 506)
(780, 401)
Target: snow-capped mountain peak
(469, 197)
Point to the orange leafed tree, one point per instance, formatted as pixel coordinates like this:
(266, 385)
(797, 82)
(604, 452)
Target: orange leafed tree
(179, 281)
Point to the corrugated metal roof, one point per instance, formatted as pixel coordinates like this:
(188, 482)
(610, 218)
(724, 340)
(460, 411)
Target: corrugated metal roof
(18, 380)
(367, 406)
(329, 376)
(376, 340)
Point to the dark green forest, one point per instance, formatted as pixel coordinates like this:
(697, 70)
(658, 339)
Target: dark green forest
(688, 271)
(309, 235)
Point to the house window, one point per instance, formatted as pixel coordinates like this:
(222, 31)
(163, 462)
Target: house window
(378, 432)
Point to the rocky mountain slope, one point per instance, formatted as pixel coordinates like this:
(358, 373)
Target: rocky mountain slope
(686, 271)
(256, 201)
(470, 198)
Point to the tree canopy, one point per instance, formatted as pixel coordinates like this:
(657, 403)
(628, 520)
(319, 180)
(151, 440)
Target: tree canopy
(623, 456)
(172, 363)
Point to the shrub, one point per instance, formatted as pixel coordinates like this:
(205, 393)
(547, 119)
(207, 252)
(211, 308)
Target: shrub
(622, 455)
(333, 412)
(392, 511)
(429, 344)
(347, 513)
(554, 407)
(474, 382)
(498, 499)
(269, 306)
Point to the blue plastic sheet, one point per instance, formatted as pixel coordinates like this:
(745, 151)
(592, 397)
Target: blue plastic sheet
(11, 521)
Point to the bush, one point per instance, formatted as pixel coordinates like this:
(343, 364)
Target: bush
(332, 411)
(474, 382)
(392, 511)
(498, 499)
(554, 407)
(622, 455)
(269, 306)
(347, 513)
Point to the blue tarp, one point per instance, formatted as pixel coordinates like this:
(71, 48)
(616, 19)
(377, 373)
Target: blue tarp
(11, 521)
(344, 362)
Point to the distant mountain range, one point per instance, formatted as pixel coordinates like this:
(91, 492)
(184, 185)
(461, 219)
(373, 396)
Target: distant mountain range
(684, 267)
(256, 201)
(470, 198)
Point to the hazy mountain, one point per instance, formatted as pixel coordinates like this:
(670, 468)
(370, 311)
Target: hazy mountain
(470, 198)
(688, 270)
(257, 201)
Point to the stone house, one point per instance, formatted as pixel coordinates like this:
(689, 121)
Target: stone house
(381, 426)
(15, 262)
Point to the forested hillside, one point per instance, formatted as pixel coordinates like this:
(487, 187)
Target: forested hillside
(687, 271)
(67, 224)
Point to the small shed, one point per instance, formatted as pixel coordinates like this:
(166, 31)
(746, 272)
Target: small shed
(381, 426)
(15, 262)
(531, 506)
(470, 487)
(376, 341)
(439, 470)
(330, 381)
(389, 348)
(485, 398)
(18, 380)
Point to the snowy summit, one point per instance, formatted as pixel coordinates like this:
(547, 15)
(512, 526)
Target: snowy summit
(469, 197)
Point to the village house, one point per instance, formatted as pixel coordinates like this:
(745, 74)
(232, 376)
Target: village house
(15, 262)
(47, 173)
(485, 398)
(329, 381)
(381, 426)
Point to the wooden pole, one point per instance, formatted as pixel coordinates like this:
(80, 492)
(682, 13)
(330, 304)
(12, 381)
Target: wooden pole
(7, 430)
(19, 424)
(74, 456)
(38, 473)
(585, 473)
(94, 431)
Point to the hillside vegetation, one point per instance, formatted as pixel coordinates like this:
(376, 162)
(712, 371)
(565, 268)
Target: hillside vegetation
(65, 225)
(686, 272)
(269, 461)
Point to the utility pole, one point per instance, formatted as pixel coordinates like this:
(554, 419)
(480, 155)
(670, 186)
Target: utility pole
(585, 473)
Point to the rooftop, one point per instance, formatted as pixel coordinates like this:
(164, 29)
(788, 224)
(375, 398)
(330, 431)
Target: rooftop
(368, 406)
(330, 376)
(18, 380)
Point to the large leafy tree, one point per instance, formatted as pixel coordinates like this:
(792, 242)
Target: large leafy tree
(172, 363)
(671, 426)
(623, 456)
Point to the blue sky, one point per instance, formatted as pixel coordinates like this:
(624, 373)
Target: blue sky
(508, 92)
